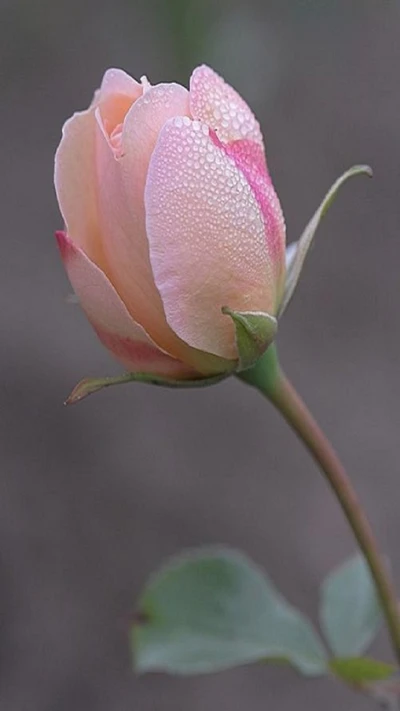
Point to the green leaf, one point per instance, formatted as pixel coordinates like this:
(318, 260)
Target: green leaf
(255, 331)
(92, 385)
(359, 670)
(214, 609)
(350, 612)
(297, 251)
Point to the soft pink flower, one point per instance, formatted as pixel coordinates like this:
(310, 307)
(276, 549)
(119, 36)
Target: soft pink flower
(170, 215)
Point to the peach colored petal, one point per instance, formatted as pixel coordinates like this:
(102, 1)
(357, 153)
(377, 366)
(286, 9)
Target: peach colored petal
(76, 183)
(117, 93)
(116, 81)
(216, 103)
(207, 237)
(121, 203)
(124, 338)
(75, 162)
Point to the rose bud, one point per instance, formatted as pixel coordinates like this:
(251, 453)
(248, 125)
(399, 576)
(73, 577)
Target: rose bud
(174, 237)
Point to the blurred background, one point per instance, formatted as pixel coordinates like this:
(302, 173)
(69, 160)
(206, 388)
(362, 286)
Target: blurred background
(93, 498)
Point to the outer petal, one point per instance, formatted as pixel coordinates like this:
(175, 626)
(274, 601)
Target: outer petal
(126, 340)
(75, 162)
(250, 160)
(76, 184)
(207, 238)
(220, 107)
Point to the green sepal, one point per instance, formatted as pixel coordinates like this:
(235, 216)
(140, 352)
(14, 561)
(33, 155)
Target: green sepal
(87, 386)
(255, 331)
(361, 670)
(297, 252)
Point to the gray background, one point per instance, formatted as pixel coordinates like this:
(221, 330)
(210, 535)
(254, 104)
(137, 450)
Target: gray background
(93, 498)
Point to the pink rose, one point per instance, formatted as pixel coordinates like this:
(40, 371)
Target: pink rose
(170, 215)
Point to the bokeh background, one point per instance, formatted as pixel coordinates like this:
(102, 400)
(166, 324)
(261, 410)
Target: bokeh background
(93, 498)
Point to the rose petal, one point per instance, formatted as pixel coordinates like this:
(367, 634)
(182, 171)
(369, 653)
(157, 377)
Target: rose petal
(116, 81)
(216, 103)
(207, 238)
(121, 204)
(126, 340)
(249, 158)
(117, 94)
(75, 162)
(76, 180)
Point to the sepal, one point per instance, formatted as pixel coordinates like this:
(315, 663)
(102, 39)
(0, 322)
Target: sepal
(255, 331)
(87, 386)
(297, 251)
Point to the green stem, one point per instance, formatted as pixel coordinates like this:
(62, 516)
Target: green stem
(271, 381)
